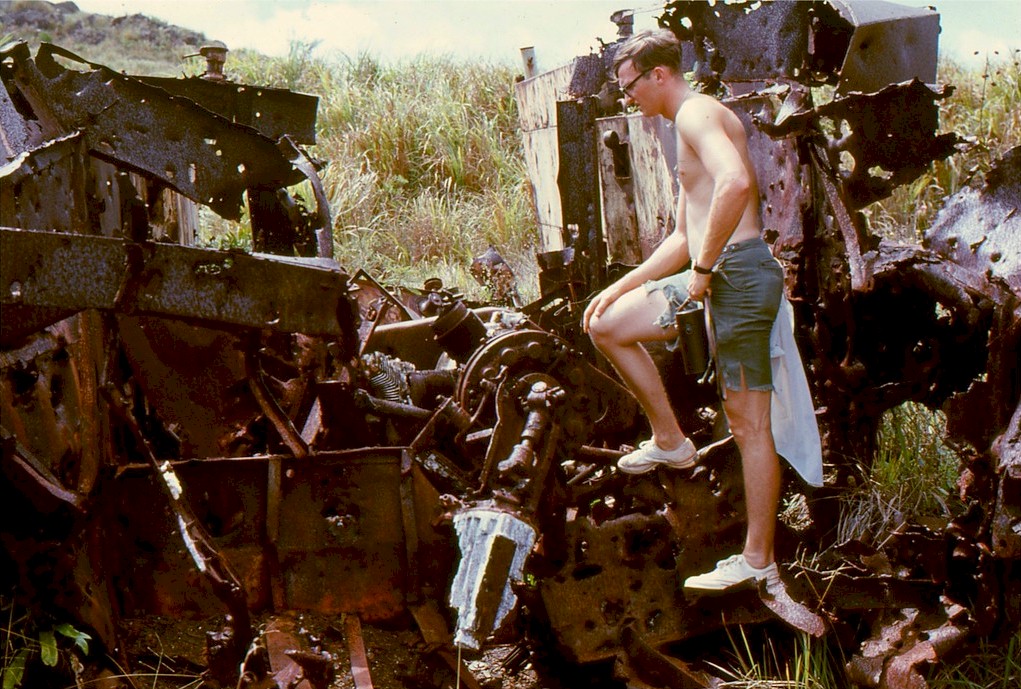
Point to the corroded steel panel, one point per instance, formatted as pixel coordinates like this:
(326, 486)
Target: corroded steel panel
(339, 544)
(273, 112)
(980, 229)
(32, 180)
(206, 157)
(75, 272)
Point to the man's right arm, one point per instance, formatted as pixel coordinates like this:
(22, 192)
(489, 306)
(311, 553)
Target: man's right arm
(666, 259)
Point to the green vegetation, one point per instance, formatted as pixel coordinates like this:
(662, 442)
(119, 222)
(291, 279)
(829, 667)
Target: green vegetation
(911, 478)
(797, 661)
(985, 110)
(805, 663)
(134, 44)
(990, 666)
(24, 639)
(424, 164)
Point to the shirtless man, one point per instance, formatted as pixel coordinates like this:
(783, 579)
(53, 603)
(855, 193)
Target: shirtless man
(718, 231)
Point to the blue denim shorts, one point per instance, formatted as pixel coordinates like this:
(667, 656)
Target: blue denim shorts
(675, 289)
(745, 292)
(746, 287)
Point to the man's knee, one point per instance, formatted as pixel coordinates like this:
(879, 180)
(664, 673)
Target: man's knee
(748, 415)
(601, 332)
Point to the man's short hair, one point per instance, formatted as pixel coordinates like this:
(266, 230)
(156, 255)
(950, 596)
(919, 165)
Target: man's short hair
(648, 49)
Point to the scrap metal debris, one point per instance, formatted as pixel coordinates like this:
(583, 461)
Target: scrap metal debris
(217, 434)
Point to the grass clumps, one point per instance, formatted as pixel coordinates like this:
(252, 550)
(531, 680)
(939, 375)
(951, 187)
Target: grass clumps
(912, 477)
(424, 168)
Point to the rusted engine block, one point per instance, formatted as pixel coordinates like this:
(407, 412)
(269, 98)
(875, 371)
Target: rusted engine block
(199, 432)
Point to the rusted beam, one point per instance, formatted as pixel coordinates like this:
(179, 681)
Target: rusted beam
(273, 112)
(46, 272)
(210, 159)
(226, 648)
(646, 663)
(356, 648)
(271, 408)
(33, 478)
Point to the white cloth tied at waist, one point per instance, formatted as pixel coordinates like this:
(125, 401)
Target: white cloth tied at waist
(792, 414)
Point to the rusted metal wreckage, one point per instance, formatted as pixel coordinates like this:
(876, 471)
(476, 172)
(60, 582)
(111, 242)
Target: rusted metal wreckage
(193, 433)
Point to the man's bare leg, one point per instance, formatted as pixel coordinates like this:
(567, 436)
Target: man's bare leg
(617, 333)
(748, 414)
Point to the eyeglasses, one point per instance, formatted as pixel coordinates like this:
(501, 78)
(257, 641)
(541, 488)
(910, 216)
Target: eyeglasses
(631, 84)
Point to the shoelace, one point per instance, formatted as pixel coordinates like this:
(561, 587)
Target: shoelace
(729, 562)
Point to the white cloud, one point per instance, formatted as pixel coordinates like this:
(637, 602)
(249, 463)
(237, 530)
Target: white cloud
(491, 30)
(978, 44)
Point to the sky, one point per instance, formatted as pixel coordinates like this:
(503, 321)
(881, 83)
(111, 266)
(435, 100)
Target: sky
(493, 30)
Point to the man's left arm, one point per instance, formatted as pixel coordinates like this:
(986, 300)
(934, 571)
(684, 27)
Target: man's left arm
(731, 185)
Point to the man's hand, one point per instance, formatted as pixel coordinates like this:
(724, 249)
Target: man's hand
(599, 304)
(698, 286)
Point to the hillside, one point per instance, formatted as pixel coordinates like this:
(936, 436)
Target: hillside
(134, 44)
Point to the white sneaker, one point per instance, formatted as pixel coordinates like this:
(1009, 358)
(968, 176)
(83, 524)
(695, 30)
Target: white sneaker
(730, 572)
(649, 455)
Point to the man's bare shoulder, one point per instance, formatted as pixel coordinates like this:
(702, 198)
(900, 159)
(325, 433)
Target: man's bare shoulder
(700, 116)
(697, 111)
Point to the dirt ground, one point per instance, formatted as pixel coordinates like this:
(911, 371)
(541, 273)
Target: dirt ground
(169, 654)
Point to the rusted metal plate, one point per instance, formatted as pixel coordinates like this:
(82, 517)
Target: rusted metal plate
(626, 572)
(205, 157)
(18, 136)
(891, 135)
(785, 191)
(33, 179)
(889, 43)
(537, 98)
(617, 188)
(49, 399)
(292, 663)
(273, 112)
(653, 158)
(744, 41)
(980, 229)
(195, 379)
(1006, 536)
(580, 202)
(73, 272)
(862, 43)
(340, 538)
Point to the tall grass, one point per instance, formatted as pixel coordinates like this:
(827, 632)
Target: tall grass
(911, 478)
(424, 168)
(783, 661)
(990, 666)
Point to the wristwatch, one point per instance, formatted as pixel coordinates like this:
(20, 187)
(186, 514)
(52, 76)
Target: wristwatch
(702, 271)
